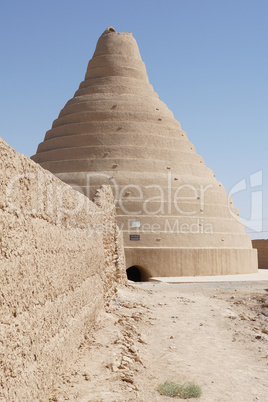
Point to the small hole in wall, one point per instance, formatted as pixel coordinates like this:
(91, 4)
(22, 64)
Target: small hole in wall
(137, 273)
(133, 274)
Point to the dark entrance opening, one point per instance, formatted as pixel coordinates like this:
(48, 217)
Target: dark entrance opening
(134, 274)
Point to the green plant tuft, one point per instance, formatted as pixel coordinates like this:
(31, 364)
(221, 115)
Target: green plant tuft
(184, 391)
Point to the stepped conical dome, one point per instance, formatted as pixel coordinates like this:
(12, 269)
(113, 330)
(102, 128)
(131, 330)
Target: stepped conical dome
(176, 217)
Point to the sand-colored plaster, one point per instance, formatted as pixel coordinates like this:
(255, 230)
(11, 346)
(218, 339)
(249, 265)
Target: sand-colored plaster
(116, 130)
(60, 260)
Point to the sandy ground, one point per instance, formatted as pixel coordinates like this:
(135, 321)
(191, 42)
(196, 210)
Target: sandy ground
(215, 334)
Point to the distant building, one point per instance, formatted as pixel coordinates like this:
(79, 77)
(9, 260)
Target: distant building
(262, 247)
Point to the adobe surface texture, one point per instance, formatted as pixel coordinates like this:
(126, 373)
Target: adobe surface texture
(176, 218)
(61, 261)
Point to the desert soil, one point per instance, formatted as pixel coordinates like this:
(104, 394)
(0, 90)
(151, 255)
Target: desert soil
(214, 334)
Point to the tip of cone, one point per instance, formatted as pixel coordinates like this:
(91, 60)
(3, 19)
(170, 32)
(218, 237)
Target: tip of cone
(109, 30)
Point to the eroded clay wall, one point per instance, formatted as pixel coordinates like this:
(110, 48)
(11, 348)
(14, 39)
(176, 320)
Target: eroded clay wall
(59, 263)
(262, 247)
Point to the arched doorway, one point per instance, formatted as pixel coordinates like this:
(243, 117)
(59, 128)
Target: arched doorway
(137, 274)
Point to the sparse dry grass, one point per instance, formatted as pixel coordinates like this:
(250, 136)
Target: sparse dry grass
(184, 391)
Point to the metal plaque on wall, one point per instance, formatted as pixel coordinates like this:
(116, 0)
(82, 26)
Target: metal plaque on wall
(134, 237)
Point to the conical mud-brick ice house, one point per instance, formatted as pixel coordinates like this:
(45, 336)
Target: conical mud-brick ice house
(175, 216)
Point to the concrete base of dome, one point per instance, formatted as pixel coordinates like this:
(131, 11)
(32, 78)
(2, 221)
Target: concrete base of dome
(167, 262)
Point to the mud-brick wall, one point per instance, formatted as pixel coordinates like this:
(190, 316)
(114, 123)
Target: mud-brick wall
(262, 247)
(59, 254)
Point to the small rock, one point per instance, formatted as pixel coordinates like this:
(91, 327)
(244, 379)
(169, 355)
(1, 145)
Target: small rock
(233, 317)
(86, 376)
(142, 341)
(258, 337)
(127, 379)
(126, 359)
(265, 313)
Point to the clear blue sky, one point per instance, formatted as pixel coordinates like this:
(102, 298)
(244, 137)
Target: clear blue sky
(207, 60)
